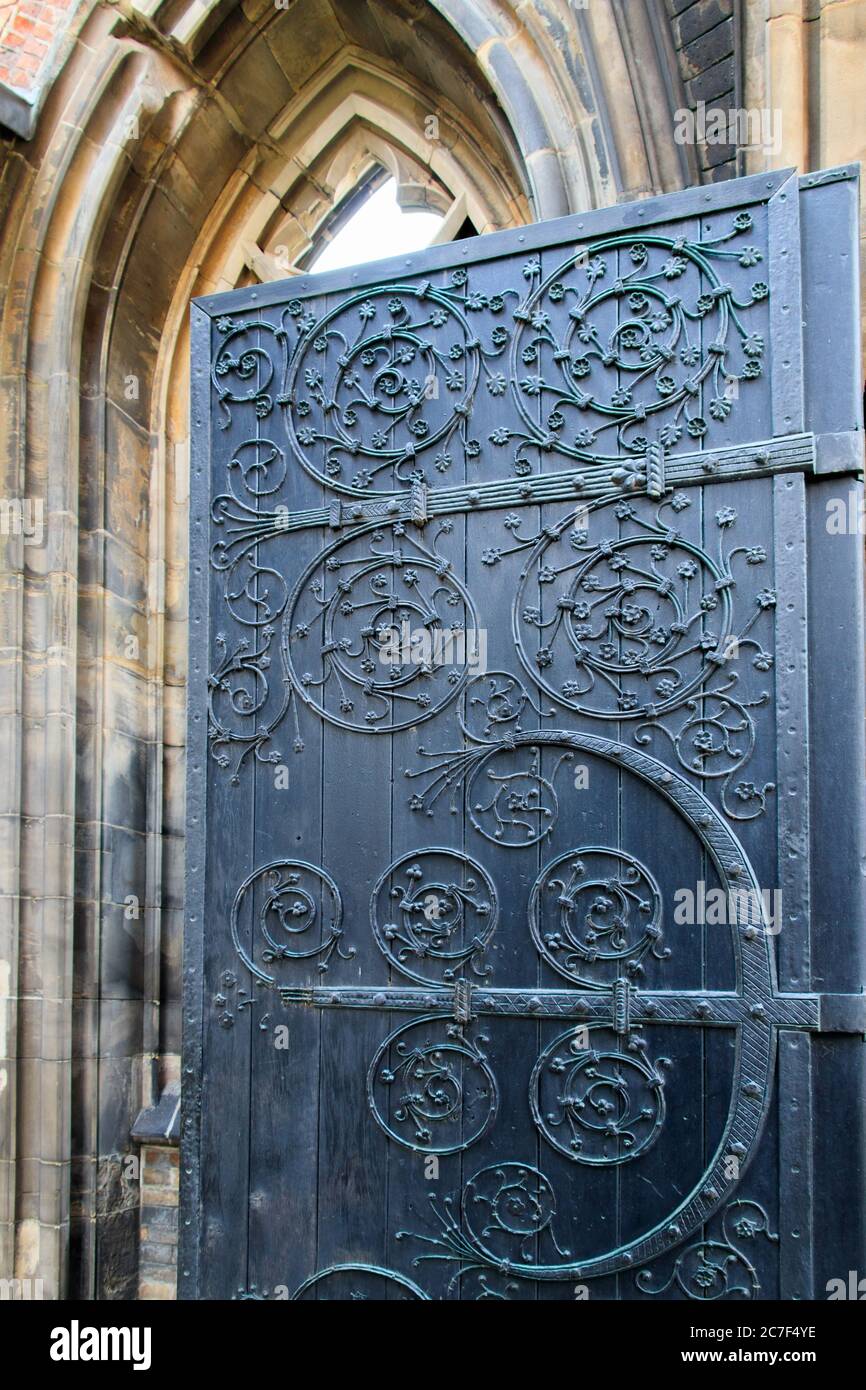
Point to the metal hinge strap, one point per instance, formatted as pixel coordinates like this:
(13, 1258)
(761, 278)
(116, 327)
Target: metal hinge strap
(621, 1006)
(462, 1001)
(654, 473)
(839, 453)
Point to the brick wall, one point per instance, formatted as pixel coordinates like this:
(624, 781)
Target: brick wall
(159, 1198)
(28, 30)
(706, 36)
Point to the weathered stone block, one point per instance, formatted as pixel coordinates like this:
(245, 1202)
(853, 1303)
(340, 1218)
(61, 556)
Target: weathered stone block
(308, 40)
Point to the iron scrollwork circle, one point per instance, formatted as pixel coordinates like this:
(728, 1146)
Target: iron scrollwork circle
(430, 1087)
(511, 1200)
(512, 806)
(374, 636)
(595, 1103)
(358, 1281)
(619, 628)
(297, 915)
(679, 341)
(594, 913)
(433, 912)
(358, 384)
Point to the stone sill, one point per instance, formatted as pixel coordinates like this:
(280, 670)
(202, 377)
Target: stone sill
(160, 1123)
(18, 111)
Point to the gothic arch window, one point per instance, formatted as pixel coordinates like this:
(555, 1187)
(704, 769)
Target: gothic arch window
(373, 226)
(365, 198)
(216, 141)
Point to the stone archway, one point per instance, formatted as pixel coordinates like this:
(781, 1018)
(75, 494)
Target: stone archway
(174, 150)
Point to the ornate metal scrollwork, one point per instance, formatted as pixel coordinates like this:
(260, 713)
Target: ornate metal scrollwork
(287, 911)
(639, 625)
(620, 625)
(636, 346)
(355, 381)
(670, 362)
(352, 1283)
(508, 798)
(505, 1212)
(711, 1269)
(594, 1102)
(243, 369)
(359, 382)
(496, 703)
(433, 912)
(509, 805)
(374, 636)
(242, 710)
(513, 806)
(430, 1087)
(510, 1200)
(594, 913)
(634, 624)
(357, 1283)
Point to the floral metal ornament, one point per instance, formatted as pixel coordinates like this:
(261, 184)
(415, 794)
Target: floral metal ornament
(506, 1213)
(433, 913)
(374, 636)
(286, 912)
(594, 914)
(597, 1100)
(627, 340)
(430, 1087)
(711, 1269)
(630, 339)
(503, 1213)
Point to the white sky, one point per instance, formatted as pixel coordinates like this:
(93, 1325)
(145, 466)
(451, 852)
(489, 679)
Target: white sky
(379, 228)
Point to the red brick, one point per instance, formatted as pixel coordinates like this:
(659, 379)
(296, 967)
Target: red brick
(27, 34)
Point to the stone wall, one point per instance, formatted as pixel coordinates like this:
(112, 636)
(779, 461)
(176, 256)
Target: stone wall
(706, 39)
(32, 34)
(806, 61)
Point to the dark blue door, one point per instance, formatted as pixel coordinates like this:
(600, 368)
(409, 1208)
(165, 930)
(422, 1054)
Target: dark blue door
(524, 946)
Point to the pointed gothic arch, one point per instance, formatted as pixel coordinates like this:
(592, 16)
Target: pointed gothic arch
(177, 146)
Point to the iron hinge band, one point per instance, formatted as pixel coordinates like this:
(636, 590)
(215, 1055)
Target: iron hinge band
(654, 473)
(462, 1001)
